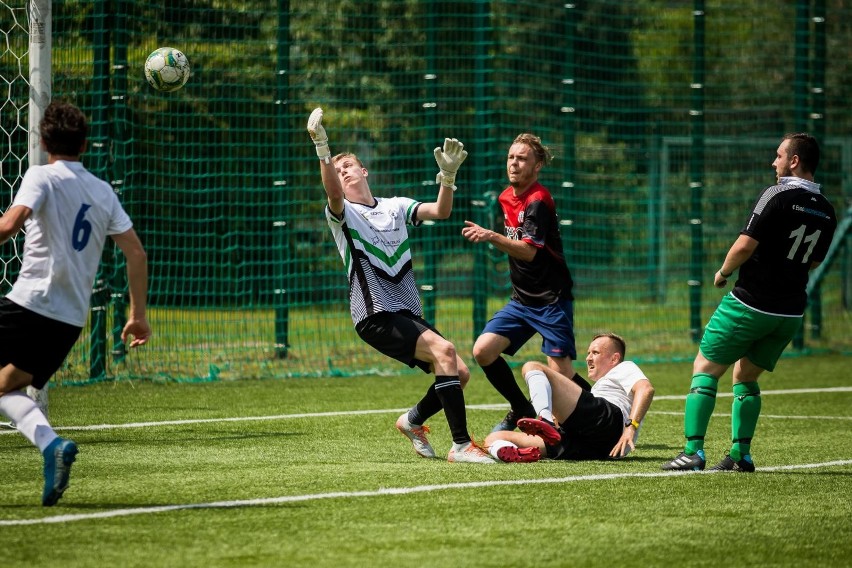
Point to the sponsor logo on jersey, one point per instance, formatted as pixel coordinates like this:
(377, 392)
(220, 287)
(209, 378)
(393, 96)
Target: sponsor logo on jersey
(514, 233)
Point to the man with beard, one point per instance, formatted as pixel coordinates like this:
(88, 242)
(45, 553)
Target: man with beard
(787, 234)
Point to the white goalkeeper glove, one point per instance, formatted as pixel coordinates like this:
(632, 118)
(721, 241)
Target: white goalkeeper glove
(449, 160)
(318, 135)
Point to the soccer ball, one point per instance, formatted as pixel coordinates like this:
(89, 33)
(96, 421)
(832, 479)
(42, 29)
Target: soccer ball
(167, 69)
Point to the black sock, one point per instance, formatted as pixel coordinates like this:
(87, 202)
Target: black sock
(553, 452)
(583, 383)
(450, 393)
(428, 407)
(501, 377)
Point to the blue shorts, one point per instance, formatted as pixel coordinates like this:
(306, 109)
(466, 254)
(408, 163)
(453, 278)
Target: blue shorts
(554, 322)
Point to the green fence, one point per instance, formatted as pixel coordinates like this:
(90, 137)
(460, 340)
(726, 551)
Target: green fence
(663, 117)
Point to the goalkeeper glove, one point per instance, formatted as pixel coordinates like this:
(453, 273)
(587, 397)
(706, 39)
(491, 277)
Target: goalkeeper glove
(449, 160)
(318, 135)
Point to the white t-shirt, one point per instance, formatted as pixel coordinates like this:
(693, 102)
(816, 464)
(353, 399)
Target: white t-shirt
(72, 214)
(617, 385)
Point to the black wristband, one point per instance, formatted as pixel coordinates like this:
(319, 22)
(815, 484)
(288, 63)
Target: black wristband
(723, 275)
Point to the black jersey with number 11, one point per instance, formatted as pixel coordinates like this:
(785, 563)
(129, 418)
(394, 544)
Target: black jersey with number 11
(793, 224)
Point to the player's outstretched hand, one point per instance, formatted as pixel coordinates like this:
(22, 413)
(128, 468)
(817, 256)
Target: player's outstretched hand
(476, 234)
(318, 135)
(449, 159)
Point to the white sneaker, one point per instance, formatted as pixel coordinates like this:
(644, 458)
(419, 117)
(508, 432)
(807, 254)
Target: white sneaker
(470, 453)
(417, 435)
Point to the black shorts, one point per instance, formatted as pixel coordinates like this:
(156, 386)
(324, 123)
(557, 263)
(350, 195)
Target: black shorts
(592, 430)
(32, 342)
(395, 334)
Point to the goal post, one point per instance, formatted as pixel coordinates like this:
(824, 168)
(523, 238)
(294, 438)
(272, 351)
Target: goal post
(40, 26)
(40, 74)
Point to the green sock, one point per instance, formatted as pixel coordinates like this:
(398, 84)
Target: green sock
(744, 413)
(699, 406)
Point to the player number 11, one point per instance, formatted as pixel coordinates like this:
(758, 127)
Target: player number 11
(799, 235)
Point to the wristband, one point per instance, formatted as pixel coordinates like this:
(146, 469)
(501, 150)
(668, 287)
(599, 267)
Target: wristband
(632, 423)
(723, 275)
(323, 153)
(441, 179)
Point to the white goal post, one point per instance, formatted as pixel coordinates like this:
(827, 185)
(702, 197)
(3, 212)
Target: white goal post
(27, 31)
(41, 43)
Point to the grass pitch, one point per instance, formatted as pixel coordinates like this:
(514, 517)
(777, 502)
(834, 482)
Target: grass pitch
(311, 472)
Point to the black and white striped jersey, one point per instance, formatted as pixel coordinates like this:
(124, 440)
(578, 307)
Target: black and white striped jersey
(374, 244)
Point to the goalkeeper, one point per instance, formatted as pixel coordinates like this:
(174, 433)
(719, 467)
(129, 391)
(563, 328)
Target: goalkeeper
(371, 234)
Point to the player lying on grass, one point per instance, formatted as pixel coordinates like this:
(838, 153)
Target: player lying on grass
(372, 238)
(574, 423)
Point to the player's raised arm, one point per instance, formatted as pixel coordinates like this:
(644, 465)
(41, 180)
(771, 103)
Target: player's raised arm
(330, 180)
(449, 159)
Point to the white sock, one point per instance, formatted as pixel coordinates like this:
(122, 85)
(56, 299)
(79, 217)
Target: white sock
(499, 444)
(29, 419)
(541, 393)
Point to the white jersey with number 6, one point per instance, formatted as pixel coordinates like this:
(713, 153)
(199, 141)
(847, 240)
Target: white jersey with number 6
(72, 214)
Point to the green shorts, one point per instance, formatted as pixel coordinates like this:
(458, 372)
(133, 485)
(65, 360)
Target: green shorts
(736, 331)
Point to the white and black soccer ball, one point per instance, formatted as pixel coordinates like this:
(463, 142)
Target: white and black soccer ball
(167, 69)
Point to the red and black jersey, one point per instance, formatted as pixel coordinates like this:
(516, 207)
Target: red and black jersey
(531, 217)
(793, 224)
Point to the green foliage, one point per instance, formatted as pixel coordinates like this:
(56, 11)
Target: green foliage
(222, 183)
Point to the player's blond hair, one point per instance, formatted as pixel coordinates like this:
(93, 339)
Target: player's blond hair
(343, 155)
(542, 152)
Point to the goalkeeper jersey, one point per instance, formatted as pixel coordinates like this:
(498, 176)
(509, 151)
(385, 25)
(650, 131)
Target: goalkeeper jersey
(374, 244)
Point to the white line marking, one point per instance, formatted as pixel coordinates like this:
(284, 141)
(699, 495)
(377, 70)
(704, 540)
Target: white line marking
(378, 493)
(780, 416)
(226, 419)
(764, 392)
(718, 395)
(502, 406)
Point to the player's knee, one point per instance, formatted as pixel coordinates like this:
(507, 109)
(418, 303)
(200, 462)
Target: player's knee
(477, 353)
(484, 354)
(445, 352)
(531, 366)
(464, 375)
